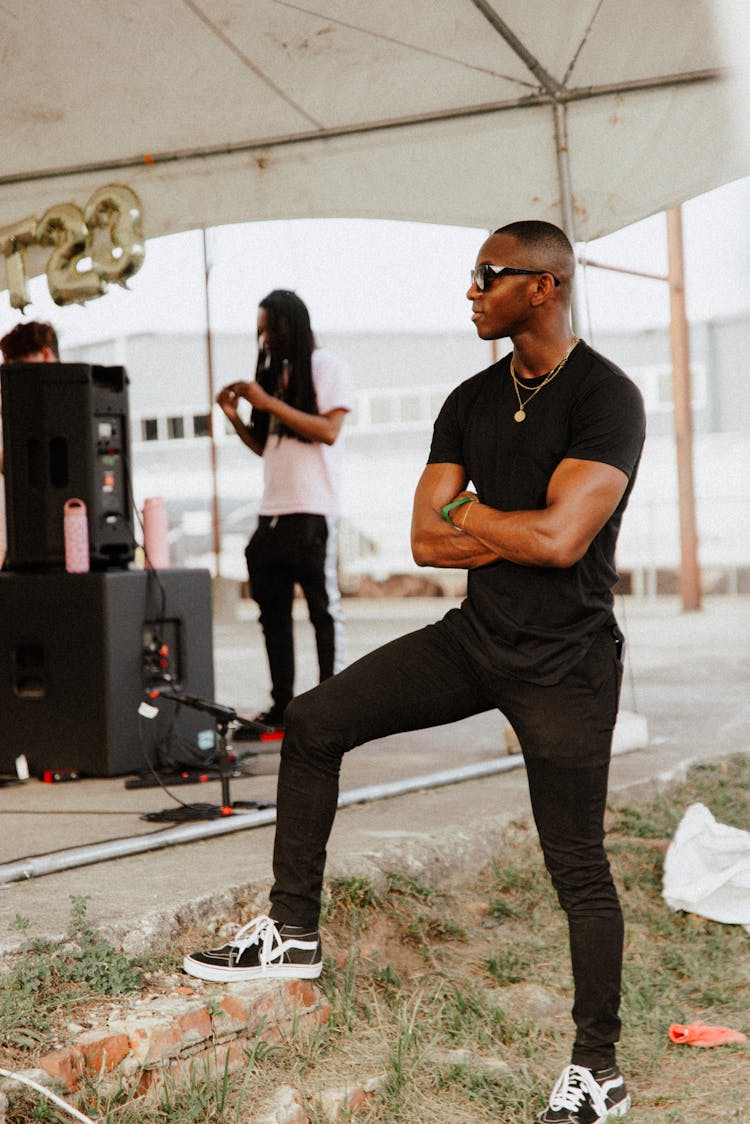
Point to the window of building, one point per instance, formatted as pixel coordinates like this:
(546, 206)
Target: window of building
(436, 402)
(381, 410)
(389, 409)
(175, 428)
(655, 384)
(412, 408)
(149, 429)
(664, 388)
(201, 425)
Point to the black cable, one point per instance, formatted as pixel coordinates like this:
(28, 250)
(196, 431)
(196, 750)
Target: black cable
(186, 811)
(159, 617)
(152, 769)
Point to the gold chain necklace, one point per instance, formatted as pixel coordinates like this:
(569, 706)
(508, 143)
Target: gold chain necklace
(520, 414)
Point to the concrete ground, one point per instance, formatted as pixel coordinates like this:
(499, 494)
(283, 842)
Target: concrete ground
(686, 684)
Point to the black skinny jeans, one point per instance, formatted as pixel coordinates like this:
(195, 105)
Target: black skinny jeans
(285, 550)
(426, 679)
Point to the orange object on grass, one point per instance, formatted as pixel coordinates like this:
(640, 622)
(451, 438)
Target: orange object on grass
(698, 1034)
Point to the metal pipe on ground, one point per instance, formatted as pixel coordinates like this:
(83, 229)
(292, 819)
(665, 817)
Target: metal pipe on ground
(35, 867)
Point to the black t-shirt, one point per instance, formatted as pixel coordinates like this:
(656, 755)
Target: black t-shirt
(536, 622)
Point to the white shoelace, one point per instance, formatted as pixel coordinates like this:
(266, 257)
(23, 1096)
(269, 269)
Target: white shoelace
(576, 1083)
(262, 930)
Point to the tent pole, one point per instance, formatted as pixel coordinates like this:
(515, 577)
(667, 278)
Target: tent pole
(566, 202)
(215, 522)
(689, 585)
(689, 577)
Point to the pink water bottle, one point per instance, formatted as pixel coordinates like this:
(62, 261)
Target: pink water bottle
(155, 531)
(76, 535)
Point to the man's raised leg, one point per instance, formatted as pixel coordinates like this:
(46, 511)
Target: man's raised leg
(416, 681)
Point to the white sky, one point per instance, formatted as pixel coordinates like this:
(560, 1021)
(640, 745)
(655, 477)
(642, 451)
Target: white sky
(386, 276)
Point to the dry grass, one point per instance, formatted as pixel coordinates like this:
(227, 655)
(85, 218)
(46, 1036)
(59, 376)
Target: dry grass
(415, 973)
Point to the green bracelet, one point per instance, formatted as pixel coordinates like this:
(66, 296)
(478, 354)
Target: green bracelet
(455, 503)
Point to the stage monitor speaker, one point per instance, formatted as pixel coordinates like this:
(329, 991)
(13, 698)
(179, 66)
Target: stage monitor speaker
(66, 435)
(77, 654)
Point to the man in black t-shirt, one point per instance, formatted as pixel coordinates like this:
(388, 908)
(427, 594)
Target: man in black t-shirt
(536, 620)
(549, 439)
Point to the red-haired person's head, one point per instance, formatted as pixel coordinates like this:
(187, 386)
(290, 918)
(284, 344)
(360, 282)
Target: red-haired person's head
(33, 342)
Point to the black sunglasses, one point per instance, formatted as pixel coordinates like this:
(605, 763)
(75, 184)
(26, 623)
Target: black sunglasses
(483, 275)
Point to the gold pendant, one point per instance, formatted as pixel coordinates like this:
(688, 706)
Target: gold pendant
(519, 415)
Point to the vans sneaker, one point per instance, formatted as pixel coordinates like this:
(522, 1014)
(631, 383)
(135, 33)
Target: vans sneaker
(583, 1096)
(262, 950)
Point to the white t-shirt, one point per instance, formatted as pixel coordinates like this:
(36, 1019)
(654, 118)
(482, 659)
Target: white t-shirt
(305, 476)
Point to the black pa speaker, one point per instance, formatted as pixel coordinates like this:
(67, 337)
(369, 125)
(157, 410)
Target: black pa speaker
(66, 435)
(78, 653)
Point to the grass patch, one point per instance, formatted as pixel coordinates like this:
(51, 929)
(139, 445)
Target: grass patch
(458, 1002)
(46, 979)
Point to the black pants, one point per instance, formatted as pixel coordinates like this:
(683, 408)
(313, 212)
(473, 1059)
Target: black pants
(426, 679)
(285, 550)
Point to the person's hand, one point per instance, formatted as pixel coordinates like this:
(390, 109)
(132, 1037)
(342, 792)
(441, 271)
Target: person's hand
(228, 398)
(254, 393)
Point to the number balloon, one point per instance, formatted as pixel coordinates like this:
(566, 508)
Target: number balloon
(84, 259)
(64, 227)
(117, 208)
(13, 242)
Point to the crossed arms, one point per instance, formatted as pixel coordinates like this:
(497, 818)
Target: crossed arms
(581, 496)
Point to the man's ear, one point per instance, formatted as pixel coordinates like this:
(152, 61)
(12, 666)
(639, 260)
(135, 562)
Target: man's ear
(544, 287)
(48, 355)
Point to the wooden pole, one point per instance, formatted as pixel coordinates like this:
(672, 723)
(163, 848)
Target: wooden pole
(689, 583)
(215, 519)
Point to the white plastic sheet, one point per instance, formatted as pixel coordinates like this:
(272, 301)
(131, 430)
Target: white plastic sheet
(707, 869)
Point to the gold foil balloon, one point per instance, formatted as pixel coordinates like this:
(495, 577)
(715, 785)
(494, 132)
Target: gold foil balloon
(69, 281)
(102, 244)
(118, 209)
(13, 242)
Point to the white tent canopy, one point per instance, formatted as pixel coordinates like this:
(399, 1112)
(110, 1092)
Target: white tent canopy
(589, 113)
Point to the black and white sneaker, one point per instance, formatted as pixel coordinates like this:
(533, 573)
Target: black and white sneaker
(262, 950)
(583, 1096)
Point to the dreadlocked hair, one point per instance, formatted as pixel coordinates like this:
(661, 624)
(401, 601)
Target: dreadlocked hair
(291, 340)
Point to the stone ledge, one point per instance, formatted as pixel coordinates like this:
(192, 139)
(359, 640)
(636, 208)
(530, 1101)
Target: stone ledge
(160, 1038)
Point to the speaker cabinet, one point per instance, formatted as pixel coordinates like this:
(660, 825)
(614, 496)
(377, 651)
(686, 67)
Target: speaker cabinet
(77, 653)
(66, 435)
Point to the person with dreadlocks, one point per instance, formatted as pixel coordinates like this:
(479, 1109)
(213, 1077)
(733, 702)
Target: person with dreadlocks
(299, 398)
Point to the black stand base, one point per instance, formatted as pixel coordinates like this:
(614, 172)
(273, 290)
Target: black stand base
(223, 715)
(188, 812)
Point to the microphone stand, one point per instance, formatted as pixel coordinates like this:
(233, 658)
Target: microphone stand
(223, 716)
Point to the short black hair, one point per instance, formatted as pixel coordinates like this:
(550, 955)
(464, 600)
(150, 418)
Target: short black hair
(547, 247)
(535, 232)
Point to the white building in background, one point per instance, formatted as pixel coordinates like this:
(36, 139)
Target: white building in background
(401, 379)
